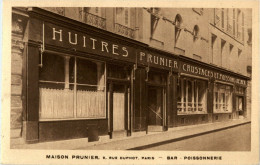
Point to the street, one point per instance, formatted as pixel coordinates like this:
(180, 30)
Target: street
(232, 139)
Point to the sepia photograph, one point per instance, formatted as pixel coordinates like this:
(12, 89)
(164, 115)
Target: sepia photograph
(131, 84)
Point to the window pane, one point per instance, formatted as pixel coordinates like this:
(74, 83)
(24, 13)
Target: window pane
(72, 69)
(202, 95)
(52, 69)
(56, 102)
(86, 72)
(196, 93)
(90, 89)
(223, 97)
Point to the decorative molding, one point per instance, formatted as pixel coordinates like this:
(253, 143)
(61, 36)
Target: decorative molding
(17, 43)
(17, 26)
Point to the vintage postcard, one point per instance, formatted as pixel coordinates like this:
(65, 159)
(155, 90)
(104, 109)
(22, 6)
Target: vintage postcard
(130, 82)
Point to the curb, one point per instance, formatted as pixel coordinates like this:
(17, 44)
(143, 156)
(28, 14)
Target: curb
(185, 137)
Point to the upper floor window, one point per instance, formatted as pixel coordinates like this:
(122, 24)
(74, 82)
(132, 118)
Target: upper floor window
(154, 19)
(234, 21)
(123, 22)
(178, 24)
(123, 16)
(196, 32)
(222, 18)
(239, 52)
(93, 10)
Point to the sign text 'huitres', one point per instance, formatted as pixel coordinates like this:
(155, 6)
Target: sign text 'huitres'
(71, 39)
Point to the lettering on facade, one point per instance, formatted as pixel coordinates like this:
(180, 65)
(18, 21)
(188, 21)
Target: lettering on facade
(211, 74)
(158, 60)
(84, 42)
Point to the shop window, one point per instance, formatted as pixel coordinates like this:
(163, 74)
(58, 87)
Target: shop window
(222, 98)
(240, 90)
(71, 88)
(192, 96)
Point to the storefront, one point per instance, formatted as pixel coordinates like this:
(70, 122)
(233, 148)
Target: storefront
(206, 93)
(155, 84)
(79, 80)
(86, 82)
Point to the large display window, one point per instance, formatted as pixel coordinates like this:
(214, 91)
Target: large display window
(192, 96)
(222, 98)
(71, 88)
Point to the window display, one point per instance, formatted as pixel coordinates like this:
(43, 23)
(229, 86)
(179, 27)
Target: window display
(222, 98)
(192, 96)
(71, 87)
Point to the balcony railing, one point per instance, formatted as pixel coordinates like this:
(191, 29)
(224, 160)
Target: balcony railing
(229, 29)
(217, 20)
(58, 10)
(123, 30)
(239, 35)
(93, 20)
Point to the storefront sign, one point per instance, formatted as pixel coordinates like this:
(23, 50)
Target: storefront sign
(84, 42)
(157, 60)
(78, 41)
(196, 70)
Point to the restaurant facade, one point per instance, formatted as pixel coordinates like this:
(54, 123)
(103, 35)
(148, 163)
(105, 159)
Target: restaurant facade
(83, 82)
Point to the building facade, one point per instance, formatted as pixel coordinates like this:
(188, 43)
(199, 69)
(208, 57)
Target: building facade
(114, 72)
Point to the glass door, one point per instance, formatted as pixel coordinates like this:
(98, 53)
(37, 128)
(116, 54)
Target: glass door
(155, 106)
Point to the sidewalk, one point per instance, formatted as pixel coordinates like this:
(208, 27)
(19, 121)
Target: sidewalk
(138, 141)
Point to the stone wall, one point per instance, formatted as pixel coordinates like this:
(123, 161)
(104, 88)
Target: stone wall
(16, 77)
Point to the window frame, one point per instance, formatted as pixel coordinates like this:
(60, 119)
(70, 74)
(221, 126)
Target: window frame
(184, 95)
(220, 102)
(75, 88)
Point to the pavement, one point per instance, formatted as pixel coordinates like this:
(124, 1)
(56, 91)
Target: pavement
(137, 141)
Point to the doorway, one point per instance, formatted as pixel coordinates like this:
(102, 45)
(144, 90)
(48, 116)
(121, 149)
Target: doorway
(119, 105)
(240, 106)
(155, 106)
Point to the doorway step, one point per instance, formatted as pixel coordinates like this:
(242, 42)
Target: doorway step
(119, 134)
(155, 128)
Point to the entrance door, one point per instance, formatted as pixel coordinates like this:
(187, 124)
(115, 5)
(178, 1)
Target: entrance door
(118, 108)
(155, 108)
(240, 105)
